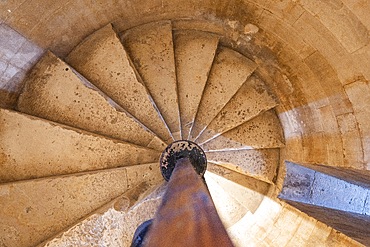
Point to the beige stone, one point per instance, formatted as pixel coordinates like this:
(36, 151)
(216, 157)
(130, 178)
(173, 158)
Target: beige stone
(34, 210)
(258, 163)
(53, 91)
(229, 71)
(242, 190)
(197, 25)
(109, 225)
(263, 131)
(341, 22)
(34, 148)
(102, 59)
(334, 29)
(353, 154)
(358, 93)
(257, 187)
(251, 99)
(194, 54)
(228, 207)
(151, 49)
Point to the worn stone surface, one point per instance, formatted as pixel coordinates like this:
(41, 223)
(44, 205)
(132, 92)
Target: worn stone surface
(334, 30)
(257, 189)
(151, 49)
(263, 131)
(251, 99)
(32, 148)
(228, 207)
(194, 54)
(102, 59)
(111, 225)
(17, 56)
(28, 218)
(53, 91)
(229, 71)
(259, 163)
(244, 195)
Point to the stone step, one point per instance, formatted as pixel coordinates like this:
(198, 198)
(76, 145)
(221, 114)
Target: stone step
(258, 163)
(263, 131)
(229, 71)
(102, 59)
(55, 92)
(34, 210)
(114, 224)
(237, 232)
(248, 191)
(194, 55)
(150, 47)
(228, 208)
(251, 99)
(32, 148)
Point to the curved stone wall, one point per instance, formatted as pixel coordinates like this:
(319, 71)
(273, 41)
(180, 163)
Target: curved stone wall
(314, 55)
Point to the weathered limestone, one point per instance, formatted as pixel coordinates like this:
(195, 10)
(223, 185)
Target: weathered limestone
(102, 59)
(248, 191)
(258, 163)
(251, 99)
(34, 210)
(151, 49)
(194, 54)
(114, 224)
(53, 91)
(228, 208)
(263, 131)
(32, 148)
(229, 71)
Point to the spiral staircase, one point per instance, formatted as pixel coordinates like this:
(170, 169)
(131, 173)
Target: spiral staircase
(88, 130)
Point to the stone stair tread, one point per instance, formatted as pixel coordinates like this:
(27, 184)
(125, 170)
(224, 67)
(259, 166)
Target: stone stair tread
(194, 54)
(114, 224)
(228, 208)
(246, 196)
(27, 218)
(258, 163)
(150, 47)
(31, 147)
(55, 92)
(252, 98)
(102, 59)
(239, 233)
(263, 131)
(229, 71)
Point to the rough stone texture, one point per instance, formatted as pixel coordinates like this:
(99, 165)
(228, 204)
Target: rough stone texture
(17, 55)
(34, 148)
(246, 197)
(353, 225)
(336, 202)
(194, 54)
(251, 99)
(312, 187)
(102, 59)
(53, 91)
(259, 163)
(111, 225)
(151, 49)
(289, 31)
(358, 95)
(28, 218)
(228, 207)
(263, 131)
(229, 71)
(251, 191)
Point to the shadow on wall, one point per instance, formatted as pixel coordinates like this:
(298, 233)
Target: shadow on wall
(340, 204)
(17, 56)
